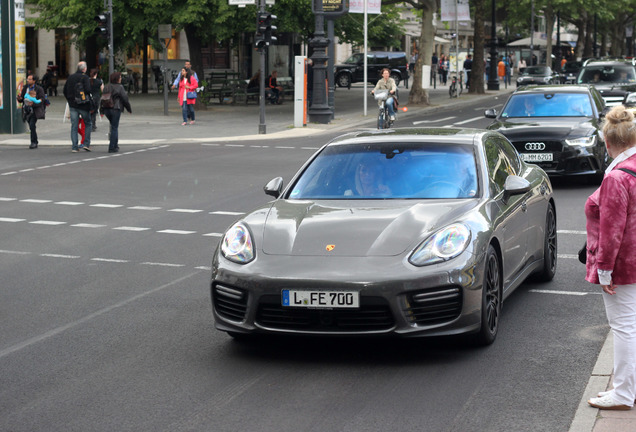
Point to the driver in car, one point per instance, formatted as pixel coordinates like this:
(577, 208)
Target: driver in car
(387, 83)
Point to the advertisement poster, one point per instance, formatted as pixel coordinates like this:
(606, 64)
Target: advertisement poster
(448, 10)
(20, 45)
(357, 6)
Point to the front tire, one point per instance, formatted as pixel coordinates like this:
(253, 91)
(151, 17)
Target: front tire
(549, 247)
(343, 80)
(381, 120)
(490, 299)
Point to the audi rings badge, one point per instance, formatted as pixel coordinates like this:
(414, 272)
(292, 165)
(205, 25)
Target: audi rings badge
(535, 146)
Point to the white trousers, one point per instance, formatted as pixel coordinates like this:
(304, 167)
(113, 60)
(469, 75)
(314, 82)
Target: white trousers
(621, 314)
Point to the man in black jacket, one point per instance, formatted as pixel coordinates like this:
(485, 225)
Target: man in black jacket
(32, 106)
(77, 91)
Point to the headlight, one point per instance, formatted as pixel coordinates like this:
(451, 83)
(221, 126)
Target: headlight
(583, 141)
(444, 245)
(237, 245)
(547, 79)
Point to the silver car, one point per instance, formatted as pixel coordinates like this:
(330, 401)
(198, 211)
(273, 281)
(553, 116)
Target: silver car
(405, 232)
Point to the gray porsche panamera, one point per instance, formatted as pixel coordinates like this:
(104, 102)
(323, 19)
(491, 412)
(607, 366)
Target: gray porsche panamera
(403, 232)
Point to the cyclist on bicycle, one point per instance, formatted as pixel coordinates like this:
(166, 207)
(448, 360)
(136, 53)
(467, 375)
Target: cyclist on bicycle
(387, 83)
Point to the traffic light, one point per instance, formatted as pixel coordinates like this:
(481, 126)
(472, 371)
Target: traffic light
(103, 25)
(264, 29)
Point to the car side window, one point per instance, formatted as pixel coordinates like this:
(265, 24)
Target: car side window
(499, 165)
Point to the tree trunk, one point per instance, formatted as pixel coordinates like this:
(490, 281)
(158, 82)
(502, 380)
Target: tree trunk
(418, 95)
(195, 46)
(477, 71)
(549, 27)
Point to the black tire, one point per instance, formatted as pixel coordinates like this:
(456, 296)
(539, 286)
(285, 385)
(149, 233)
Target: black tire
(452, 91)
(343, 80)
(396, 78)
(550, 248)
(490, 299)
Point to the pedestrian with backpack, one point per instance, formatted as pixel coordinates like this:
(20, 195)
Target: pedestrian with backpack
(114, 100)
(77, 92)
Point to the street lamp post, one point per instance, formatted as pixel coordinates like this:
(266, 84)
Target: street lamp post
(319, 111)
(493, 81)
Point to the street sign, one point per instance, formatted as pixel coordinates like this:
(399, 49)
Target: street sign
(165, 31)
(332, 8)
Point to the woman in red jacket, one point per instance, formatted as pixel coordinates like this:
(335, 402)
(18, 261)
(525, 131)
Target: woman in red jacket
(611, 254)
(187, 84)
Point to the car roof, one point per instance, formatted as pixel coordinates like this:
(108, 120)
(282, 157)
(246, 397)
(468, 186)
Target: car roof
(555, 88)
(464, 136)
(609, 62)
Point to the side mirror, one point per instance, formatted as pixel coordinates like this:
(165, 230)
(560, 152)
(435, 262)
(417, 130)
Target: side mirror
(515, 185)
(490, 113)
(274, 187)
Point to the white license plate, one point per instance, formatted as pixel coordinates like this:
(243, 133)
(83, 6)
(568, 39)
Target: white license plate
(321, 299)
(537, 157)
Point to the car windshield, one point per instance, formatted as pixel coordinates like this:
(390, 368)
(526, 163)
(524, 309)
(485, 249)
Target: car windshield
(536, 70)
(548, 105)
(354, 59)
(607, 74)
(389, 171)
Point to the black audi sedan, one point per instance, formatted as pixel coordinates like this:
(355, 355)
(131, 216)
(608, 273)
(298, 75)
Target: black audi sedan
(556, 127)
(538, 75)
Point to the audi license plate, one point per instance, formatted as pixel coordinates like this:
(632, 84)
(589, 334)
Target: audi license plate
(537, 157)
(321, 299)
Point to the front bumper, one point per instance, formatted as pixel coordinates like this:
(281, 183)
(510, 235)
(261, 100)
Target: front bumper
(396, 298)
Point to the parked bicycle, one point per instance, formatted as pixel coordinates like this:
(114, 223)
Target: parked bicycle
(456, 87)
(384, 119)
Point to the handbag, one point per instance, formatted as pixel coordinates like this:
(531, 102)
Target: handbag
(583, 253)
(191, 95)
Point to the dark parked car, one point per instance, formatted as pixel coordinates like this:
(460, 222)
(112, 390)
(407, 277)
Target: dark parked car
(557, 127)
(403, 232)
(537, 75)
(570, 72)
(352, 70)
(614, 78)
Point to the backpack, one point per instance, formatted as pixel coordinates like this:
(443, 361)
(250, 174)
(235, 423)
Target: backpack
(81, 95)
(107, 101)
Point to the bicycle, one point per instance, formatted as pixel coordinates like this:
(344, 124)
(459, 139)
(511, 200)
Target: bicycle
(384, 119)
(453, 90)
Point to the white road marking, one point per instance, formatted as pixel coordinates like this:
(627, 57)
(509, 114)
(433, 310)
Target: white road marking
(127, 228)
(107, 205)
(109, 260)
(469, 120)
(574, 293)
(69, 203)
(171, 231)
(179, 210)
(162, 264)
(11, 220)
(144, 208)
(234, 145)
(14, 252)
(27, 170)
(213, 235)
(7, 199)
(42, 167)
(87, 225)
(433, 121)
(571, 232)
(283, 147)
(9, 173)
(227, 213)
(47, 222)
(35, 201)
(203, 268)
(60, 256)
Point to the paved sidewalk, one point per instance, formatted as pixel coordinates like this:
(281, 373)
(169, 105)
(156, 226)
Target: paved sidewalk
(149, 126)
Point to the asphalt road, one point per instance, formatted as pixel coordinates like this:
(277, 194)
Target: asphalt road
(107, 325)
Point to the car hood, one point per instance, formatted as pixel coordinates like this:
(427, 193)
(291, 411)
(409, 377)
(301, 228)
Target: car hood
(331, 228)
(521, 128)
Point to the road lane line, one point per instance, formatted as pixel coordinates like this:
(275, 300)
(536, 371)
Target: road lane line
(109, 260)
(61, 329)
(2, 219)
(469, 120)
(107, 205)
(87, 225)
(213, 234)
(571, 232)
(36, 201)
(574, 293)
(47, 222)
(7, 199)
(127, 228)
(433, 121)
(227, 213)
(162, 264)
(144, 208)
(69, 203)
(180, 210)
(171, 231)
(14, 252)
(60, 256)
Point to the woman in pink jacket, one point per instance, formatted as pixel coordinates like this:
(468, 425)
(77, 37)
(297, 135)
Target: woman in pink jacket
(611, 254)
(187, 84)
